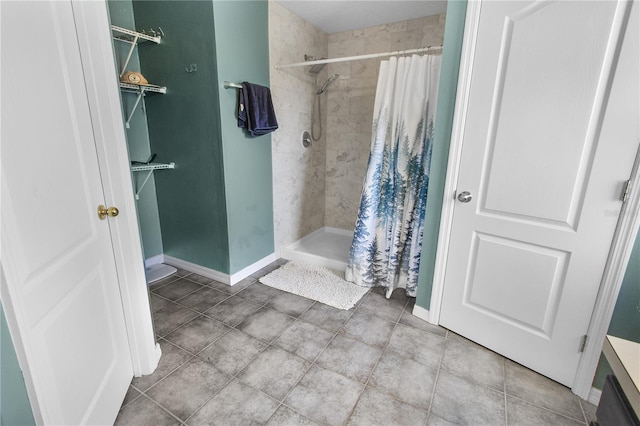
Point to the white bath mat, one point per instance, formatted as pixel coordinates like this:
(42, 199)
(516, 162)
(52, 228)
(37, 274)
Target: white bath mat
(317, 283)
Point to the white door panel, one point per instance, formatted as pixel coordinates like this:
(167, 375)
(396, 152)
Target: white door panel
(551, 131)
(58, 254)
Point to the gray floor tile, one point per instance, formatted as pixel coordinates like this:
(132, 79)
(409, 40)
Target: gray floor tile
(375, 408)
(131, 395)
(533, 387)
(389, 309)
(236, 404)
(438, 421)
(142, 411)
(266, 324)
(259, 293)
(172, 357)
(285, 416)
(171, 317)
(164, 281)
(188, 388)
(290, 304)
(474, 363)
(327, 317)
(197, 334)
(198, 279)
(157, 302)
(463, 402)
(418, 345)
(177, 289)
(522, 413)
(274, 372)
(181, 272)
(589, 411)
(232, 311)
(369, 328)
(304, 339)
(325, 396)
(411, 320)
(232, 352)
(232, 289)
(405, 379)
(203, 299)
(350, 358)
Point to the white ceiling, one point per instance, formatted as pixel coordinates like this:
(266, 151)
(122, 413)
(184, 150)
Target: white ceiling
(334, 16)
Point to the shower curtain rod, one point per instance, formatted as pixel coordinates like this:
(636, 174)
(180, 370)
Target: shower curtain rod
(357, 57)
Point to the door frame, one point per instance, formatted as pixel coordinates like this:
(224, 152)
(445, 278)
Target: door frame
(98, 61)
(622, 244)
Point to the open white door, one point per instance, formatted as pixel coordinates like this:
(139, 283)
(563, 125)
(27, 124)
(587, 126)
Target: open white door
(58, 256)
(549, 136)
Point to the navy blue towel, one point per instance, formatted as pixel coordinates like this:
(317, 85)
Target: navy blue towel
(255, 110)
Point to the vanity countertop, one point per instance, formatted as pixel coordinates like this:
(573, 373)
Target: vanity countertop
(624, 358)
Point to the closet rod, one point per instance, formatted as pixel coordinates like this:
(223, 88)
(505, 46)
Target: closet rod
(358, 57)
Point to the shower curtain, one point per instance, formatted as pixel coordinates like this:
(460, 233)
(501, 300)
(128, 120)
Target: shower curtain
(388, 233)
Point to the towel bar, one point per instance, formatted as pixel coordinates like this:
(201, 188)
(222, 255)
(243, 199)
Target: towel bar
(230, 85)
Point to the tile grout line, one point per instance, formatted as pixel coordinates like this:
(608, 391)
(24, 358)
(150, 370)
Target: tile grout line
(584, 413)
(270, 343)
(565, 415)
(435, 381)
(504, 387)
(375, 366)
(314, 362)
(232, 376)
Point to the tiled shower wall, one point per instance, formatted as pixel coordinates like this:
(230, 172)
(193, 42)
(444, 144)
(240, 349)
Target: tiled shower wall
(321, 186)
(298, 173)
(350, 107)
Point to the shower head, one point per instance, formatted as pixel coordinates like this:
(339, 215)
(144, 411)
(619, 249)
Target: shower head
(327, 83)
(316, 68)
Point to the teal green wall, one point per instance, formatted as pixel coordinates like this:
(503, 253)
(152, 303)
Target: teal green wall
(625, 322)
(453, 32)
(121, 14)
(184, 127)
(242, 45)
(15, 408)
(216, 207)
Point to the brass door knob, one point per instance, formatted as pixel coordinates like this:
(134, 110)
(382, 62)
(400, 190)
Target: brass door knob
(104, 212)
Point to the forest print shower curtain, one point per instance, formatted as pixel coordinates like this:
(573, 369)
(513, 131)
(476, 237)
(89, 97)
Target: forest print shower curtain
(388, 233)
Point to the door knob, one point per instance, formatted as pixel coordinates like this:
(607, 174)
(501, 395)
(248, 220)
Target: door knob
(104, 212)
(464, 197)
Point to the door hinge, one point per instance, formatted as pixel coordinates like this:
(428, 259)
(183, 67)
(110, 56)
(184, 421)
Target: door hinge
(625, 191)
(583, 343)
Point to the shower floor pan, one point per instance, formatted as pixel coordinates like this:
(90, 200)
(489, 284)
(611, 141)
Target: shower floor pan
(328, 247)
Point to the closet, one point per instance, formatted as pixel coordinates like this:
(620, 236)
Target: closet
(212, 213)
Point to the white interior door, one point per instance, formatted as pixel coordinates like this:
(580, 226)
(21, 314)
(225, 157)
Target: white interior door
(57, 253)
(550, 133)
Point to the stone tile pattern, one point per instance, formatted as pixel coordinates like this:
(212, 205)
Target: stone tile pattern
(322, 366)
(298, 172)
(350, 106)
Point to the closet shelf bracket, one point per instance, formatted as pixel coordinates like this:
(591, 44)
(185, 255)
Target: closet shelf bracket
(149, 168)
(132, 37)
(141, 90)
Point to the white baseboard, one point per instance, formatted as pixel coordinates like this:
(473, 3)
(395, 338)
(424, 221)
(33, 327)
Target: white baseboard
(155, 260)
(594, 396)
(221, 276)
(198, 269)
(421, 313)
(253, 268)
